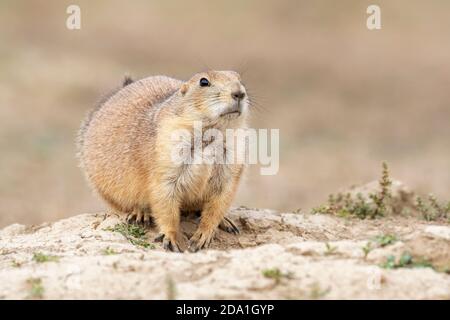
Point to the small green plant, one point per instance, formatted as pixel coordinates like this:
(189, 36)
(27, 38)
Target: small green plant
(381, 198)
(380, 241)
(367, 248)
(322, 209)
(109, 251)
(361, 208)
(36, 288)
(132, 230)
(389, 263)
(432, 209)
(276, 274)
(375, 205)
(133, 233)
(406, 260)
(317, 292)
(434, 203)
(39, 257)
(423, 209)
(385, 239)
(329, 249)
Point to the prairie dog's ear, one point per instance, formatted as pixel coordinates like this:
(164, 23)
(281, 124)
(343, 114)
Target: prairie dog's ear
(184, 88)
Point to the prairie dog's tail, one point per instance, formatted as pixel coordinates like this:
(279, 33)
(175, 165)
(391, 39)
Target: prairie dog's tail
(127, 80)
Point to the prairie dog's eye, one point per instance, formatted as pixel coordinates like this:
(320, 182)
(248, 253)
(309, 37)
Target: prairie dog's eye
(204, 82)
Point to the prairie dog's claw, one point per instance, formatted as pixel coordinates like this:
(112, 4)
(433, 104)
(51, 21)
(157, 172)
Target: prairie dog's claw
(140, 218)
(229, 226)
(200, 241)
(159, 237)
(169, 244)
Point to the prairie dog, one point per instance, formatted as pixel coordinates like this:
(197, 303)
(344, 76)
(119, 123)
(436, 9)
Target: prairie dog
(125, 148)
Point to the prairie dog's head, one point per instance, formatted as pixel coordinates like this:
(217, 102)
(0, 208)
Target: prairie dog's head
(217, 95)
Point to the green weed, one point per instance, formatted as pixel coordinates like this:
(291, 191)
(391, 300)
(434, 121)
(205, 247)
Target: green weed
(39, 257)
(406, 260)
(36, 288)
(133, 233)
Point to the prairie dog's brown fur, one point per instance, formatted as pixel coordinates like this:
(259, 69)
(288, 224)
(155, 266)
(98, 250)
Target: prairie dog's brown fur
(125, 150)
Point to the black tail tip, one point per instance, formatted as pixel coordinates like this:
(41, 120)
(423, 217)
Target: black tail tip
(126, 81)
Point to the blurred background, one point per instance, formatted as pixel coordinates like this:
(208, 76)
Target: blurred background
(344, 98)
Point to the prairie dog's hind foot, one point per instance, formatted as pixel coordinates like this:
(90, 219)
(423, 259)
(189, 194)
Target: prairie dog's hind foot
(200, 240)
(213, 218)
(229, 226)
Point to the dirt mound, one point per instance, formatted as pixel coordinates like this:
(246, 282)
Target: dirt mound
(277, 255)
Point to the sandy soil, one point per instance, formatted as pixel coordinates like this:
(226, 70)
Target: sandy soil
(276, 256)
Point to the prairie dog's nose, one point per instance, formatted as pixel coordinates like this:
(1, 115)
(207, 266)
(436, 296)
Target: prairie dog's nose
(237, 91)
(238, 94)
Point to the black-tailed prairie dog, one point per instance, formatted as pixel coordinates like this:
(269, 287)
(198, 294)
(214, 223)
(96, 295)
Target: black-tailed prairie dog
(126, 148)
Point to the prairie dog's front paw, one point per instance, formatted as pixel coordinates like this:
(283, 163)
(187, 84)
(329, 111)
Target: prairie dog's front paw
(140, 217)
(200, 240)
(169, 242)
